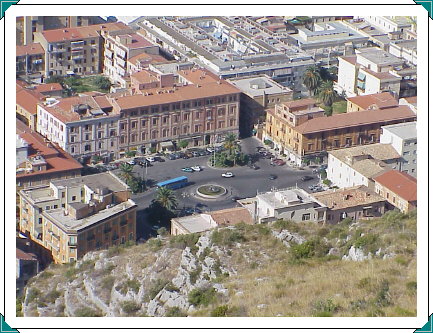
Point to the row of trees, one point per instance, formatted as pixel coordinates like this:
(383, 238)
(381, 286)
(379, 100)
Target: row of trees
(319, 83)
(231, 156)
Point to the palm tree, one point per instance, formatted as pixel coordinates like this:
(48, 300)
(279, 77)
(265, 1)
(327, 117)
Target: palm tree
(311, 78)
(166, 198)
(230, 142)
(327, 94)
(126, 171)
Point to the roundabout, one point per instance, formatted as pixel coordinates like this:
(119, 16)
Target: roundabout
(211, 191)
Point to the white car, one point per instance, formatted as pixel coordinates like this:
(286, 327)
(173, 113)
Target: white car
(150, 159)
(227, 175)
(196, 168)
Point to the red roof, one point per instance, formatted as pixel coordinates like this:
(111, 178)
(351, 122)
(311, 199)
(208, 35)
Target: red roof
(400, 183)
(26, 98)
(30, 49)
(59, 35)
(351, 59)
(57, 159)
(47, 87)
(382, 100)
(359, 118)
(25, 256)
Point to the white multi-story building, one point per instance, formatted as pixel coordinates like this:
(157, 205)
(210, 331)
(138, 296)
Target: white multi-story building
(357, 165)
(369, 71)
(403, 138)
(83, 126)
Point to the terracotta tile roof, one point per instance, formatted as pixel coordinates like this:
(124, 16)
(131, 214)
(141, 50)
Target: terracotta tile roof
(144, 76)
(177, 94)
(30, 49)
(59, 35)
(382, 100)
(21, 255)
(300, 102)
(360, 118)
(400, 183)
(152, 58)
(348, 197)
(351, 59)
(411, 100)
(232, 216)
(47, 87)
(378, 151)
(26, 98)
(199, 76)
(138, 41)
(63, 109)
(57, 159)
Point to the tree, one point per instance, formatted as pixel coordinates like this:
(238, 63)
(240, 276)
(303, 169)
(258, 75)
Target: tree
(102, 82)
(230, 142)
(327, 94)
(183, 144)
(126, 171)
(311, 79)
(166, 198)
(55, 79)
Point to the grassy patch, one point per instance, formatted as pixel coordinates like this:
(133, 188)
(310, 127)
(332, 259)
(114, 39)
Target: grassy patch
(183, 241)
(339, 107)
(87, 312)
(127, 285)
(129, 307)
(227, 237)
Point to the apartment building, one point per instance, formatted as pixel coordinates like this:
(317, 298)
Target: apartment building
(38, 161)
(403, 137)
(77, 50)
(71, 217)
(370, 71)
(358, 165)
(357, 203)
(371, 102)
(30, 59)
(410, 102)
(83, 126)
(389, 23)
(308, 134)
(398, 188)
(119, 47)
(201, 109)
(27, 25)
(259, 93)
(293, 204)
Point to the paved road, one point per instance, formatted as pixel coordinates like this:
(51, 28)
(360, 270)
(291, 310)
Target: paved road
(246, 182)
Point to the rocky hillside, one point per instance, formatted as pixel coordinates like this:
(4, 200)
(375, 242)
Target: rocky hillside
(283, 269)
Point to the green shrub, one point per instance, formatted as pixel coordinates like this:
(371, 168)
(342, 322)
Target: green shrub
(383, 297)
(107, 282)
(155, 244)
(193, 276)
(327, 182)
(227, 237)
(324, 308)
(411, 287)
(46, 275)
(401, 260)
(171, 287)
(203, 296)
(281, 224)
(323, 232)
(51, 296)
(358, 305)
(130, 153)
(364, 283)
(205, 253)
(71, 273)
(220, 311)
(130, 307)
(162, 231)
(155, 288)
(367, 242)
(114, 251)
(127, 285)
(32, 295)
(400, 312)
(19, 306)
(87, 312)
(109, 268)
(175, 312)
(311, 248)
(183, 241)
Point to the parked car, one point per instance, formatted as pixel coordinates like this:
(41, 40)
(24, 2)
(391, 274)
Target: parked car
(202, 152)
(131, 162)
(219, 149)
(144, 163)
(306, 178)
(278, 162)
(210, 149)
(196, 168)
(185, 157)
(171, 156)
(227, 175)
(254, 167)
(159, 159)
(189, 210)
(150, 159)
(195, 154)
(272, 177)
(187, 170)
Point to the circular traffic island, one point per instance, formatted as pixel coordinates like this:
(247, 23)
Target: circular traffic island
(211, 191)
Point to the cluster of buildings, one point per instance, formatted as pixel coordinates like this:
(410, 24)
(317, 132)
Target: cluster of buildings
(198, 79)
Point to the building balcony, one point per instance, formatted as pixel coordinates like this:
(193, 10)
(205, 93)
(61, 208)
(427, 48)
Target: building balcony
(72, 244)
(107, 230)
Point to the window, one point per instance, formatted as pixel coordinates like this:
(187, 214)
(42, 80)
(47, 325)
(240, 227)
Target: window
(74, 198)
(72, 149)
(87, 148)
(99, 145)
(73, 138)
(405, 153)
(134, 124)
(143, 123)
(197, 115)
(99, 135)
(197, 128)
(310, 146)
(40, 220)
(185, 116)
(112, 132)
(164, 120)
(154, 121)
(306, 217)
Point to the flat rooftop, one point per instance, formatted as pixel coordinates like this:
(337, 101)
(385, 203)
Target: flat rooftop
(101, 180)
(379, 151)
(69, 223)
(195, 223)
(286, 198)
(403, 130)
(257, 86)
(378, 56)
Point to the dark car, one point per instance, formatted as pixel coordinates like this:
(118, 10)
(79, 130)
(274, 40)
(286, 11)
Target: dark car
(254, 167)
(306, 178)
(171, 156)
(202, 152)
(195, 154)
(272, 177)
(159, 159)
